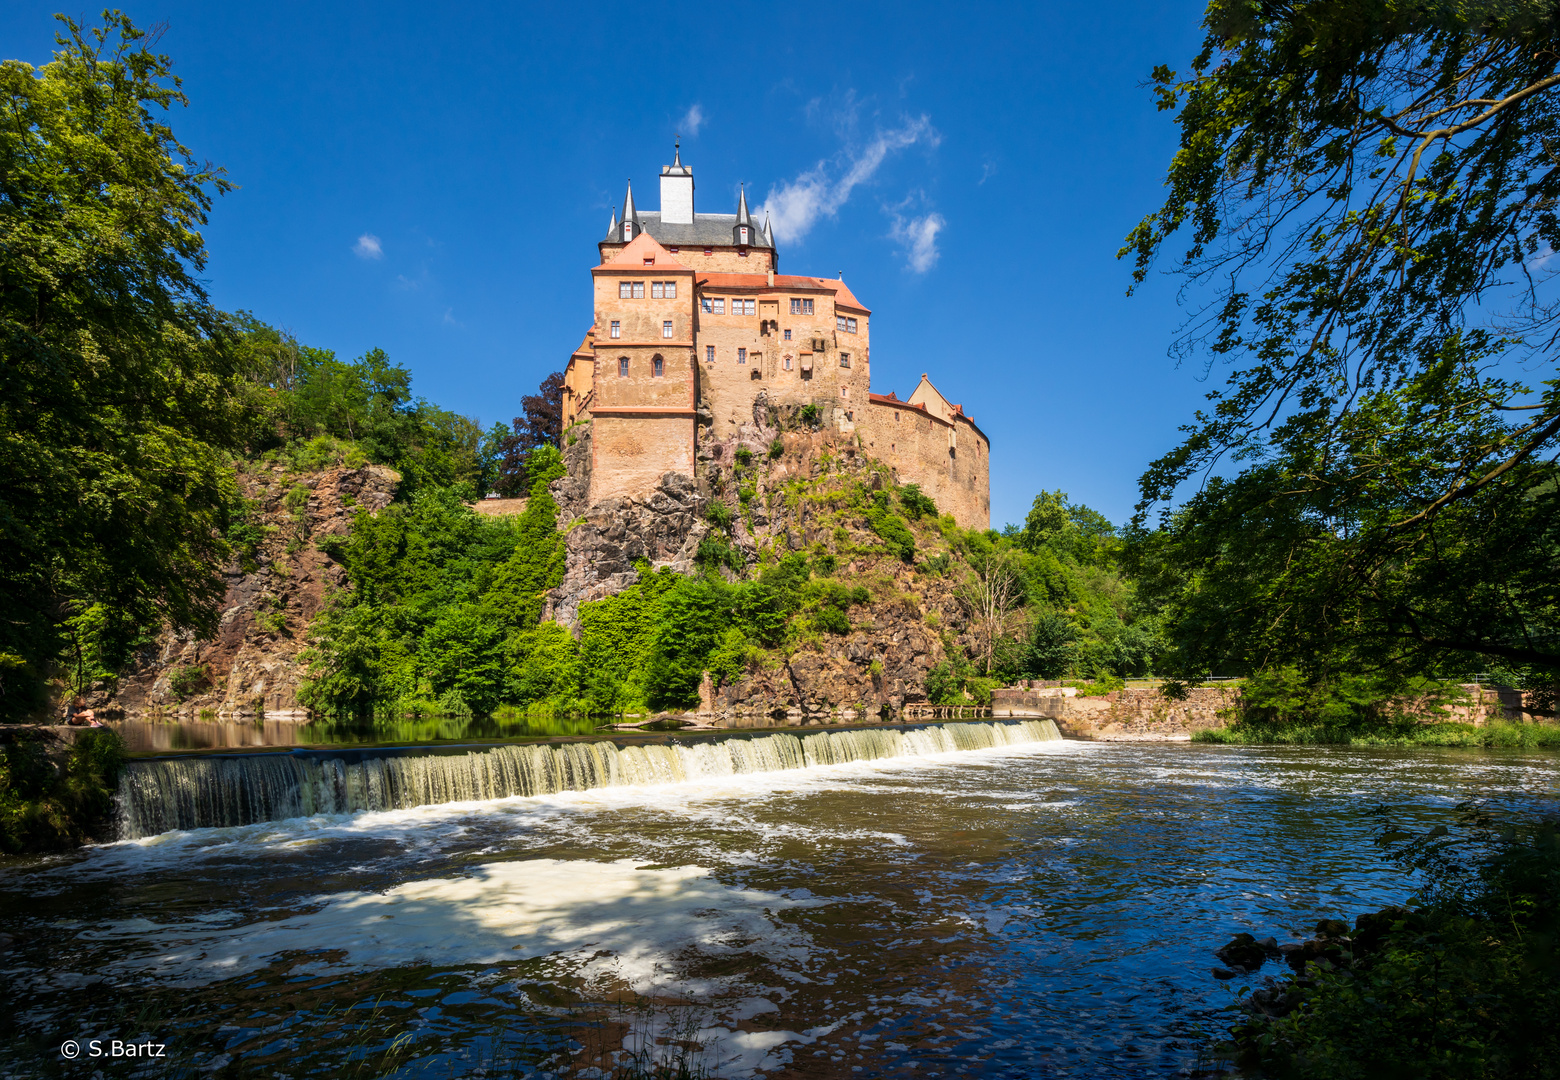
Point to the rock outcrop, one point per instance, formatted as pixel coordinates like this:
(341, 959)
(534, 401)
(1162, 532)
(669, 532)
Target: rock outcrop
(251, 666)
(785, 479)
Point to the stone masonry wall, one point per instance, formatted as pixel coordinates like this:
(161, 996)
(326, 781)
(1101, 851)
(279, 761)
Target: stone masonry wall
(917, 445)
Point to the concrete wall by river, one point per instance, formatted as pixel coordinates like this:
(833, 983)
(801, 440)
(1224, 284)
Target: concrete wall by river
(1144, 713)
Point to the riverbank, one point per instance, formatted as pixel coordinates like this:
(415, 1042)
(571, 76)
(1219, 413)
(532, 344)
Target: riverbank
(1464, 983)
(57, 787)
(1495, 735)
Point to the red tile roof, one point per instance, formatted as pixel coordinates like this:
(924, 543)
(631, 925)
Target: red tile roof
(842, 295)
(637, 250)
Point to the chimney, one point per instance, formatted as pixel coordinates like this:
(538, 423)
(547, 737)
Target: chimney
(771, 278)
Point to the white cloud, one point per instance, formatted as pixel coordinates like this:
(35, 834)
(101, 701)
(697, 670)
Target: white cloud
(691, 122)
(368, 247)
(919, 235)
(795, 207)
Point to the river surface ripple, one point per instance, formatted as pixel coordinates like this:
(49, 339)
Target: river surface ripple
(1045, 910)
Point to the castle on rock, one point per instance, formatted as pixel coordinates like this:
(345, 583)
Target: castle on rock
(694, 321)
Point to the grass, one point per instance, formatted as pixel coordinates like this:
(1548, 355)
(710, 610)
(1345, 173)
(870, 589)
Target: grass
(1497, 735)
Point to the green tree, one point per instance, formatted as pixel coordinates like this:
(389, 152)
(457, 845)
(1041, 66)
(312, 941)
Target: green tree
(1368, 195)
(120, 387)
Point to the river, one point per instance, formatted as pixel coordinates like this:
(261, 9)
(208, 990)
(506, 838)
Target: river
(1046, 908)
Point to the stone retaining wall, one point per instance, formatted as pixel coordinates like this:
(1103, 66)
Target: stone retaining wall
(1136, 713)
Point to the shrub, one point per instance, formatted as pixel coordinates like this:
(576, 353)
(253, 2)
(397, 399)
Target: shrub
(776, 450)
(832, 619)
(719, 515)
(187, 680)
(49, 804)
(890, 527)
(916, 503)
(744, 456)
(1462, 985)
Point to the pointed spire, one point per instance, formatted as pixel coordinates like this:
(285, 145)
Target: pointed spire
(742, 233)
(611, 225)
(631, 227)
(769, 237)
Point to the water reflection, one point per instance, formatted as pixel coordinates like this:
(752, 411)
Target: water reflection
(144, 736)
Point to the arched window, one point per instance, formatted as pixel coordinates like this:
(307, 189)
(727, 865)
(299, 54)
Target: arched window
(658, 366)
(622, 367)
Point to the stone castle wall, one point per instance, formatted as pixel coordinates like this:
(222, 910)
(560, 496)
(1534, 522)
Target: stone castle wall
(950, 460)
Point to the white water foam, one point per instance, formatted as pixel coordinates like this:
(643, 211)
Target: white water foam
(610, 922)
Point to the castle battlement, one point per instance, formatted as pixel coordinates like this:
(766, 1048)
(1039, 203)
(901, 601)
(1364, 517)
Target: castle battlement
(692, 320)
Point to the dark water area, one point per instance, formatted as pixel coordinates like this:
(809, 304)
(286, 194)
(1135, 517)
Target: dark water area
(158, 736)
(1038, 910)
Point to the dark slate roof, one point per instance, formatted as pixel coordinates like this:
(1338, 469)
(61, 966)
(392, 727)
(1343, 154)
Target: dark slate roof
(707, 230)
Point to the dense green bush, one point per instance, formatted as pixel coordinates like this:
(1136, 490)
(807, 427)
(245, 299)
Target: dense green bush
(53, 801)
(1464, 984)
(890, 527)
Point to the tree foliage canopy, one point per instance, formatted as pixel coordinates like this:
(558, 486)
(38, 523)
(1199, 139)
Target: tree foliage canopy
(1366, 190)
(119, 388)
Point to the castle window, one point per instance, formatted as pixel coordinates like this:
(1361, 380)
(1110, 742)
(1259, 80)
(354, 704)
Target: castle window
(655, 294)
(617, 329)
(742, 307)
(650, 261)
(742, 253)
(844, 359)
(663, 290)
(839, 323)
(801, 307)
(672, 250)
(713, 305)
(709, 354)
(788, 335)
(666, 328)
(850, 326)
(844, 324)
(658, 366)
(709, 251)
(788, 361)
(631, 290)
(742, 234)
(628, 230)
(622, 367)
(741, 356)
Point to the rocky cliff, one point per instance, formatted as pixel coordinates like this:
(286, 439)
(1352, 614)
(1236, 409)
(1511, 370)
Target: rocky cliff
(789, 483)
(251, 666)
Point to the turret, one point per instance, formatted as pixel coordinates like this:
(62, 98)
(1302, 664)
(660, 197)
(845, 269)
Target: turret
(742, 233)
(630, 227)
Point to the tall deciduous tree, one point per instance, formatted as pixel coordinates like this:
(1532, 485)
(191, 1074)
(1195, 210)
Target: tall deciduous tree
(117, 388)
(1367, 193)
(541, 425)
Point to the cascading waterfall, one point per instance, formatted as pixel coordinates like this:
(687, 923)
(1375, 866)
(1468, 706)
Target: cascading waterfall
(212, 792)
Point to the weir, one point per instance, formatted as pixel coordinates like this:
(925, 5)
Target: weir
(214, 792)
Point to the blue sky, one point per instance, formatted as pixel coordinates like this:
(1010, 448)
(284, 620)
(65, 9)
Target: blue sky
(971, 170)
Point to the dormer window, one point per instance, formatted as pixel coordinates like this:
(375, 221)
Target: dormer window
(628, 230)
(742, 234)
